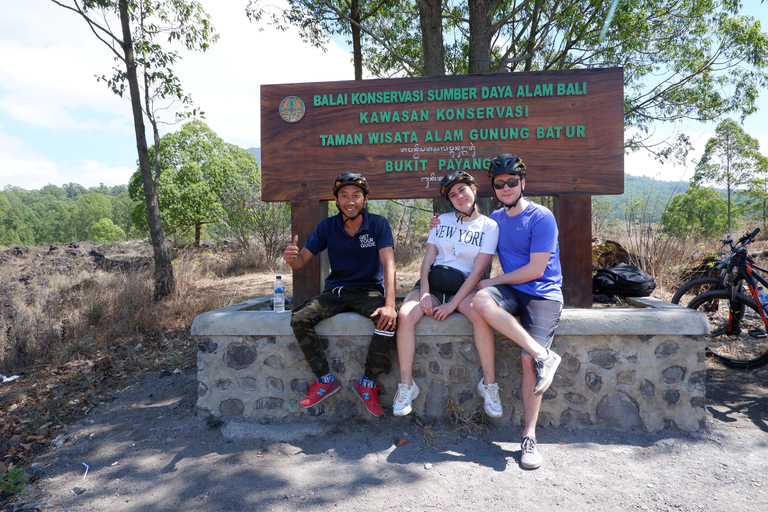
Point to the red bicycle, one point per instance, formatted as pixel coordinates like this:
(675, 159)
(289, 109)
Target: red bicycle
(735, 304)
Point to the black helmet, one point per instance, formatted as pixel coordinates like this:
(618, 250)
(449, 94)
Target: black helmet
(350, 178)
(453, 177)
(506, 163)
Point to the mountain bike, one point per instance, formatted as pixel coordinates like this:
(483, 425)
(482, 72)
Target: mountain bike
(714, 281)
(737, 318)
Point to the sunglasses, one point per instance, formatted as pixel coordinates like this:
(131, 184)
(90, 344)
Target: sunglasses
(512, 182)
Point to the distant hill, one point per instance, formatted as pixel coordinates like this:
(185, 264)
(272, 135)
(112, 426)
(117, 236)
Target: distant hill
(257, 153)
(646, 194)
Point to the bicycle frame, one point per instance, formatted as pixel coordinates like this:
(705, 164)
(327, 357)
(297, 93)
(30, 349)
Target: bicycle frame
(741, 269)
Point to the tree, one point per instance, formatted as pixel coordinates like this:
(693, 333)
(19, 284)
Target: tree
(144, 68)
(757, 191)
(682, 60)
(730, 159)
(121, 208)
(206, 180)
(88, 210)
(55, 223)
(104, 231)
(601, 210)
(698, 213)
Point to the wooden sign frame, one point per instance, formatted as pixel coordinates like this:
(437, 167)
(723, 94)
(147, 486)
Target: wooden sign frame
(404, 134)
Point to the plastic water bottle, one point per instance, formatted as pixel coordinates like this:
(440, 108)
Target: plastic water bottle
(762, 296)
(278, 295)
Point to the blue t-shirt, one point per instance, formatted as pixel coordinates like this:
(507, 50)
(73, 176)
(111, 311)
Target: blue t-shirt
(354, 259)
(533, 230)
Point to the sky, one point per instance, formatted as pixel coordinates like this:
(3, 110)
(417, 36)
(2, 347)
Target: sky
(59, 125)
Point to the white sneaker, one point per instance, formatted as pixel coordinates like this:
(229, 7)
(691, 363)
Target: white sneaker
(545, 369)
(404, 398)
(491, 400)
(530, 457)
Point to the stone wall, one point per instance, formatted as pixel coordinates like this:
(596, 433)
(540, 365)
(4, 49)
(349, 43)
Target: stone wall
(634, 368)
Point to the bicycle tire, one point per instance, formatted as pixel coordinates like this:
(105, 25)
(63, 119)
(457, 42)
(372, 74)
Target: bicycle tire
(742, 350)
(695, 287)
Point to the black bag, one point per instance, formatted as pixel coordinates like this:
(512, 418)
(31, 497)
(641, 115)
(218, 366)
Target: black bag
(623, 280)
(444, 279)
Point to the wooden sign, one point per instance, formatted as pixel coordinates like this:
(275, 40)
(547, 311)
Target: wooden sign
(405, 134)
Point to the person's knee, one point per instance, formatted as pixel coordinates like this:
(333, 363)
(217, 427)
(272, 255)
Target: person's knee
(301, 321)
(483, 303)
(409, 317)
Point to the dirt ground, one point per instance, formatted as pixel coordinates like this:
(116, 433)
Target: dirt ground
(144, 447)
(149, 450)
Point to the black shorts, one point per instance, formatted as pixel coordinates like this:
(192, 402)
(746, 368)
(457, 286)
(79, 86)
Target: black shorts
(441, 298)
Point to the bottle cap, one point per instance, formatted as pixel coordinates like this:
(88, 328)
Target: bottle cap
(278, 277)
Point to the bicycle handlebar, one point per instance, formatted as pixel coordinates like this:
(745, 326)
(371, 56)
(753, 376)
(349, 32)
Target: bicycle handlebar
(743, 241)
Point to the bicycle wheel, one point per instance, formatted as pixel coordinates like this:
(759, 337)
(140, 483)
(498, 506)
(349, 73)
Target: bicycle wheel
(747, 348)
(694, 287)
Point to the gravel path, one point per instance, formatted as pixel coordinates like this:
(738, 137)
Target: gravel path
(148, 450)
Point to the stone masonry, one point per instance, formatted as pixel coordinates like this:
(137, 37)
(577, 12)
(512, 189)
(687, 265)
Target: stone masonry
(641, 368)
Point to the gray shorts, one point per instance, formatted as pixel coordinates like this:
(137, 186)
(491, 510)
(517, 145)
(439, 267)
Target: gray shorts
(537, 316)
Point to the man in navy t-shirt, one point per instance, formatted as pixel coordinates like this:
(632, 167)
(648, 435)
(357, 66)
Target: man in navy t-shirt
(362, 279)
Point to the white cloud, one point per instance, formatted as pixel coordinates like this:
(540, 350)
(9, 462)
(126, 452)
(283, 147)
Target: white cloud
(21, 166)
(225, 80)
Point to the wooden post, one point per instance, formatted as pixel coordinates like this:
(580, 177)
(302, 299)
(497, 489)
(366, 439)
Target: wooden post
(574, 220)
(308, 281)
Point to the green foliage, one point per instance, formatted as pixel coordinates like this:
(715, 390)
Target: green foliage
(13, 481)
(104, 231)
(649, 196)
(208, 183)
(52, 215)
(730, 159)
(756, 195)
(682, 60)
(88, 210)
(698, 213)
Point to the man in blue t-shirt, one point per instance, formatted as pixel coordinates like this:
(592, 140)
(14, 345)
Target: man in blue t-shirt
(362, 279)
(529, 288)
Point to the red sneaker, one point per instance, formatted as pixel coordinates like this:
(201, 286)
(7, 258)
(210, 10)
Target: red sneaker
(318, 392)
(370, 397)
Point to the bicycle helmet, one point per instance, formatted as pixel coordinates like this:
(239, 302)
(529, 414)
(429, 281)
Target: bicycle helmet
(506, 163)
(450, 179)
(350, 178)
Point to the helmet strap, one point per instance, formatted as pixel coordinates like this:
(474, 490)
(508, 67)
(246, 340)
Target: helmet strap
(344, 214)
(461, 215)
(510, 206)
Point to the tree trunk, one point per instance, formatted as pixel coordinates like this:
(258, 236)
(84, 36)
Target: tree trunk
(431, 19)
(357, 46)
(164, 282)
(480, 33)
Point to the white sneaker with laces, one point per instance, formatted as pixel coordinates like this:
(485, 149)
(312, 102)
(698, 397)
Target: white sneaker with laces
(491, 400)
(530, 457)
(404, 399)
(545, 369)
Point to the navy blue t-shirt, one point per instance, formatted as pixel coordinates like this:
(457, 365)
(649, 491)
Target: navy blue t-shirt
(354, 259)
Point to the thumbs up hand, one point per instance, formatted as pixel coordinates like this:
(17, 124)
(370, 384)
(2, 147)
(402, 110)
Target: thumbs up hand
(292, 251)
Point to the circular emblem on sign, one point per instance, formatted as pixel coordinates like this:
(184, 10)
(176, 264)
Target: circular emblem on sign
(292, 109)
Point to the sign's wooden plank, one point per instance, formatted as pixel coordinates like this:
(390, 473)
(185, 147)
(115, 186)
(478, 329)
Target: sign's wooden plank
(405, 134)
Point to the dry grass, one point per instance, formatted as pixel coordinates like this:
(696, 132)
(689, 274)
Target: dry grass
(48, 317)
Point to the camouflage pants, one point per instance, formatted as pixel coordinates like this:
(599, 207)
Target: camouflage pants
(363, 301)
